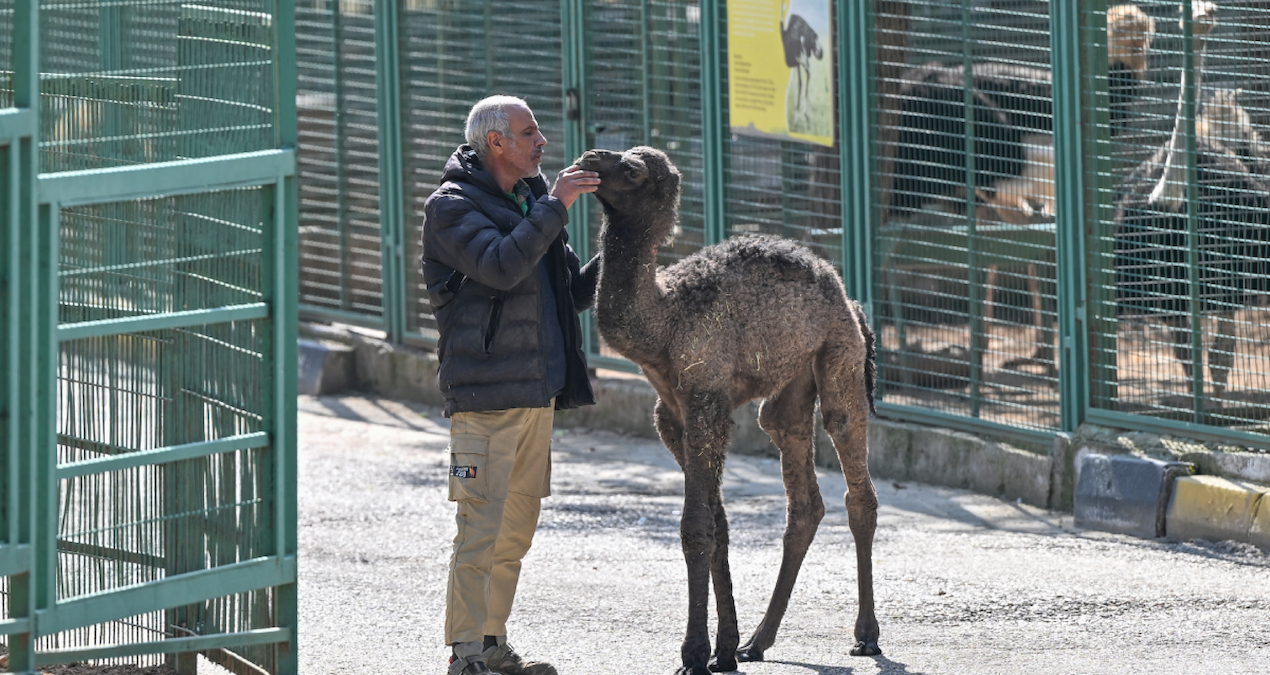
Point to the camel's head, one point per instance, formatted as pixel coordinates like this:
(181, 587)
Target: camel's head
(640, 180)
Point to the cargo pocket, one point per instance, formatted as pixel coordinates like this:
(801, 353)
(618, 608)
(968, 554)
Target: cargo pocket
(468, 455)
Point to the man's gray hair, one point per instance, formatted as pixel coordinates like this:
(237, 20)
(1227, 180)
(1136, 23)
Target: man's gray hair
(490, 114)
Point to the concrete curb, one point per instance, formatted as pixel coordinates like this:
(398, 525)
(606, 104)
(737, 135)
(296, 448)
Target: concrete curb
(1125, 493)
(1214, 508)
(325, 367)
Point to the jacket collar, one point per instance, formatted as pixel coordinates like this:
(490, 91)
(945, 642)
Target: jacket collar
(464, 166)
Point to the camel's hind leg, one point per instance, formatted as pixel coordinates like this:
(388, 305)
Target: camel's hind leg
(840, 378)
(789, 418)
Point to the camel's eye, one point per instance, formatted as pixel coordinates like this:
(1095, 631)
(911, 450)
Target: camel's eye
(635, 172)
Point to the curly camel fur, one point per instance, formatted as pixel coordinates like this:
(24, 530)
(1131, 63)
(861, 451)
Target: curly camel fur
(751, 318)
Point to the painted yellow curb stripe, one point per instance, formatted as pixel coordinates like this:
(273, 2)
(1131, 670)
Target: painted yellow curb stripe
(1212, 508)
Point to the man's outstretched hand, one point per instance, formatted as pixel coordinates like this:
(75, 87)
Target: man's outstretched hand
(572, 182)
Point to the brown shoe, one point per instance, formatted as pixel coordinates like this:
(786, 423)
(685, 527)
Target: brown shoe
(504, 660)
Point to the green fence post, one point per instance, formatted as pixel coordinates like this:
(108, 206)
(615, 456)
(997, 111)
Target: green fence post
(711, 122)
(392, 226)
(285, 270)
(1065, 51)
(855, 145)
(22, 342)
(572, 55)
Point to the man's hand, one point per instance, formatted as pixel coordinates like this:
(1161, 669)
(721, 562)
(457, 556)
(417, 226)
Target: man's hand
(572, 182)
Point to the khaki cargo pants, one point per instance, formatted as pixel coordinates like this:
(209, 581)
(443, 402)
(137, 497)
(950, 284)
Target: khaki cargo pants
(500, 469)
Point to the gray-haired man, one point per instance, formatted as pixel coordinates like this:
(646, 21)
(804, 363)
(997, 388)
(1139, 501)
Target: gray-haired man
(505, 289)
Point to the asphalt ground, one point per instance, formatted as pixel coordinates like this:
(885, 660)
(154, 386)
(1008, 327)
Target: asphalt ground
(965, 583)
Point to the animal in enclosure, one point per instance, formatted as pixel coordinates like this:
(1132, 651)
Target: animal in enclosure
(1163, 269)
(1013, 125)
(754, 317)
(801, 45)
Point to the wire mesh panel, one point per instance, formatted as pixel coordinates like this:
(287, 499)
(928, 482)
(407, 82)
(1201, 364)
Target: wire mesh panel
(155, 256)
(1178, 255)
(454, 53)
(144, 81)
(964, 186)
(6, 53)
(124, 394)
(643, 88)
(642, 78)
(339, 158)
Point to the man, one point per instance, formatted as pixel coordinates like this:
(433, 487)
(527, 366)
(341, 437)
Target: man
(505, 290)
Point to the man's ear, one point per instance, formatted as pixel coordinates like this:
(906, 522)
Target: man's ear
(495, 140)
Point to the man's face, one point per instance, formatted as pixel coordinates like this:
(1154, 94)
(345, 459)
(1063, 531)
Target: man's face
(522, 150)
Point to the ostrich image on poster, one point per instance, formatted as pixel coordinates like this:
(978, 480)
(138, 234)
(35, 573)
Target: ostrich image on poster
(805, 36)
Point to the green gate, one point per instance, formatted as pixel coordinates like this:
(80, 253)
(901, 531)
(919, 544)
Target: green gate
(149, 176)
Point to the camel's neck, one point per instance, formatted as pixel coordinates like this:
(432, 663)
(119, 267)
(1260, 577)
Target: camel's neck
(630, 305)
(1170, 190)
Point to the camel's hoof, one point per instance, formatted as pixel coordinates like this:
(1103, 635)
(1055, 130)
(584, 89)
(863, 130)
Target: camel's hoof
(748, 654)
(692, 670)
(718, 666)
(866, 649)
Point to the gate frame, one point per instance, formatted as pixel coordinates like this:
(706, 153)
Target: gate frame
(33, 223)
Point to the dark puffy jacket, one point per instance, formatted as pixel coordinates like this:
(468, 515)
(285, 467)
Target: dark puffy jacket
(480, 265)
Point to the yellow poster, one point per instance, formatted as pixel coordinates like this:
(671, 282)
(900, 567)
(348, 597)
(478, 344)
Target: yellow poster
(780, 69)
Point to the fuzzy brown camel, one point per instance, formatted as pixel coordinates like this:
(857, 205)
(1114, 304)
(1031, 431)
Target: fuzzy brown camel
(751, 318)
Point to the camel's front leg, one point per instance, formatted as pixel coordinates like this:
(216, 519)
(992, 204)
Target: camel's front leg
(728, 636)
(696, 533)
(707, 429)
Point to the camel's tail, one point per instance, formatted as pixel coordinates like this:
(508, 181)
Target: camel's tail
(870, 358)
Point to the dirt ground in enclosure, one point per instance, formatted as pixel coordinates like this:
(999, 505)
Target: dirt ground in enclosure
(1018, 381)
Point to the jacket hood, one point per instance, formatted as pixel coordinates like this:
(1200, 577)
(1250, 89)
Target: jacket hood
(464, 166)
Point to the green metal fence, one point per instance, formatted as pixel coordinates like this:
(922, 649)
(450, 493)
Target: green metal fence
(149, 352)
(984, 150)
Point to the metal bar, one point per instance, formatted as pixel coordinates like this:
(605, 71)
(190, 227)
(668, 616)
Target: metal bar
(646, 72)
(43, 374)
(1073, 375)
(14, 559)
(713, 205)
(1192, 225)
(15, 626)
(165, 179)
(341, 157)
(182, 589)
(171, 453)
(285, 284)
(392, 225)
(262, 636)
(940, 418)
(320, 313)
(25, 351)
(15, 122)
(611, 363)
(1193, 430)
(974, 295)
(573, 67)
(1100, 310)
(856, 149)
(137, 324)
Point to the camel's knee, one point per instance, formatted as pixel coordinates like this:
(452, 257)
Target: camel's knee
(861, 499)
(709, 423)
